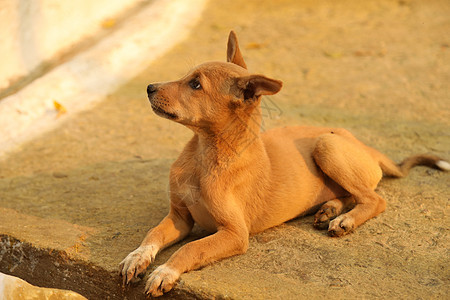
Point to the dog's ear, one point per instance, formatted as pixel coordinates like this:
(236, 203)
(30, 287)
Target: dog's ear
(253, 86)
(233, 53)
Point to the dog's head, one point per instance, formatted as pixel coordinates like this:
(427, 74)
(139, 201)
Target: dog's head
(212, 93)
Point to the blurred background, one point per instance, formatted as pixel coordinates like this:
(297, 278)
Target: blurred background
(42, 32)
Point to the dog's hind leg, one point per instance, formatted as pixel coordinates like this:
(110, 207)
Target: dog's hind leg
(349, 164)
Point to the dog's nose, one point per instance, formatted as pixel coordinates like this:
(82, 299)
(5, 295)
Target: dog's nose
(151, 89)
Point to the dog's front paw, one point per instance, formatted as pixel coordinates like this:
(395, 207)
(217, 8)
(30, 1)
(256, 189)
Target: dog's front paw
(341, 225)
(161, 281)
(136, 262)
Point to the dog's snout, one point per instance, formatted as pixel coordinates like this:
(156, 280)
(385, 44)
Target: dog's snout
(151, 89)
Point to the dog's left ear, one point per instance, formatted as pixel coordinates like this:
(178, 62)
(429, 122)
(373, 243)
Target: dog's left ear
(254, 86)
(234, 55)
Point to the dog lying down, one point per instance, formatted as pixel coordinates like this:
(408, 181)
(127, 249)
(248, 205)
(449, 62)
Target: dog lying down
(234, 181)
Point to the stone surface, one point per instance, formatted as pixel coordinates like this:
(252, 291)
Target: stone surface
(13, 288)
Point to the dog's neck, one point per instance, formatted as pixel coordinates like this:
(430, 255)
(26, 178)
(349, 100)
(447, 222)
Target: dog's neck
(225, 143)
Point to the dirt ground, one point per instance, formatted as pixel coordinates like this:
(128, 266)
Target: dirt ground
(378, 68)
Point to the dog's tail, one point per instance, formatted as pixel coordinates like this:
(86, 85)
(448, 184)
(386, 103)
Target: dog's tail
(392, 169)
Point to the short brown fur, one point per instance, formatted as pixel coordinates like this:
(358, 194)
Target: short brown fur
(234, 181)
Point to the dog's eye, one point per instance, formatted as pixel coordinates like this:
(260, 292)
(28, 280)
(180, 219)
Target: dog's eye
(195, 84)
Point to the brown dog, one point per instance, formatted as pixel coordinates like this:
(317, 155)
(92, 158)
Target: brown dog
(233, 180)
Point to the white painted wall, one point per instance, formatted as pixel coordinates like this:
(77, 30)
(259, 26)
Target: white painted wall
(33, 31)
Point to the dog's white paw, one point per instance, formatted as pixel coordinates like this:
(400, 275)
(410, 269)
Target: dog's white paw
(161, 281)
(136, 262)
(342, 225)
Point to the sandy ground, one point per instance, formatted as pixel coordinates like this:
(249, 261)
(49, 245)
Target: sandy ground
(378, 68)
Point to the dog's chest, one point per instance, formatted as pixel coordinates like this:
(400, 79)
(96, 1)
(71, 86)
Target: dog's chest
(190, 194)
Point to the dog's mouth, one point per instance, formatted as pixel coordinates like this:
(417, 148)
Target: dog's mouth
(161, 112)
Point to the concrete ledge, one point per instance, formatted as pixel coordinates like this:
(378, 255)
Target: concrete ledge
(55, 270)
(52, 268)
